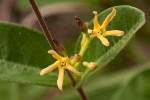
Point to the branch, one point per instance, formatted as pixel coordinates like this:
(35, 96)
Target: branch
(52, 44)
(43, 24)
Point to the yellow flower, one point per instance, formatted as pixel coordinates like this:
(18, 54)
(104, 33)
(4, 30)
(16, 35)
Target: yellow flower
(62, 63)
(100, 32)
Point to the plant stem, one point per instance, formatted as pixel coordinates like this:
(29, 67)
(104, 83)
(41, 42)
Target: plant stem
(83, 50)
(80, 90)
(84, 45)
(52, 44)
(43, 24)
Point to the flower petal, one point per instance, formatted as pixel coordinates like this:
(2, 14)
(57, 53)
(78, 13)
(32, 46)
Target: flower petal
(103, 40)
(96, 23)
(113, 33)
(54, 54)
(60, 78)
(108, 18)
(49, 68)
(73, 70)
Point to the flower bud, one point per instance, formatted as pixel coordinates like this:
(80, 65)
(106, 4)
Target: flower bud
(83, 26)
(91, 65)
(75, 58)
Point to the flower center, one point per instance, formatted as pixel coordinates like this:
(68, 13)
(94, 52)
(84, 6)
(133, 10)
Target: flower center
(63, 63)
(99, 32)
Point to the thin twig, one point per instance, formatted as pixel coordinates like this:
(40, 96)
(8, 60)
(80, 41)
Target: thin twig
(52, 44)
(43, 24)
(80, 90)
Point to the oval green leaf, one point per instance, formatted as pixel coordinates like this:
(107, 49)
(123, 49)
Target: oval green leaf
(24, 74)
(127, 19)
(23, 53)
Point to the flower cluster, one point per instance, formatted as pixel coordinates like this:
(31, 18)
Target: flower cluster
(98, 31)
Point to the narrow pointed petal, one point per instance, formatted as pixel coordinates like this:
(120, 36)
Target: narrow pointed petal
(103, 40)
(113, 33)
(49, 68)
(96, 23)
(108, 18)
(60, 78)
(73, 70)
(54, 54)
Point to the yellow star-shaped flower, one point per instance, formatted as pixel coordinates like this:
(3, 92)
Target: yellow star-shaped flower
(62, 63)
(100, 32)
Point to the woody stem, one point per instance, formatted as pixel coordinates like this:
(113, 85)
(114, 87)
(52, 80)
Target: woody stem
(80, 90)
(43, 24)
(52, 44)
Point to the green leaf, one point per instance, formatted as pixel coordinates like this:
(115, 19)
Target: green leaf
(14, 72)
(124, 85)
(100, 88)
(23, 52)
(127, 19)
(22, 45)
(6, 91)
(137, 87)
(33, 92)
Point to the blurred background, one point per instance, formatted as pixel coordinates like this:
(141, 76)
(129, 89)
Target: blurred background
(59, 16)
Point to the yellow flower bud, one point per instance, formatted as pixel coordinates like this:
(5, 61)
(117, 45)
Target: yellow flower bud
(91, 65)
